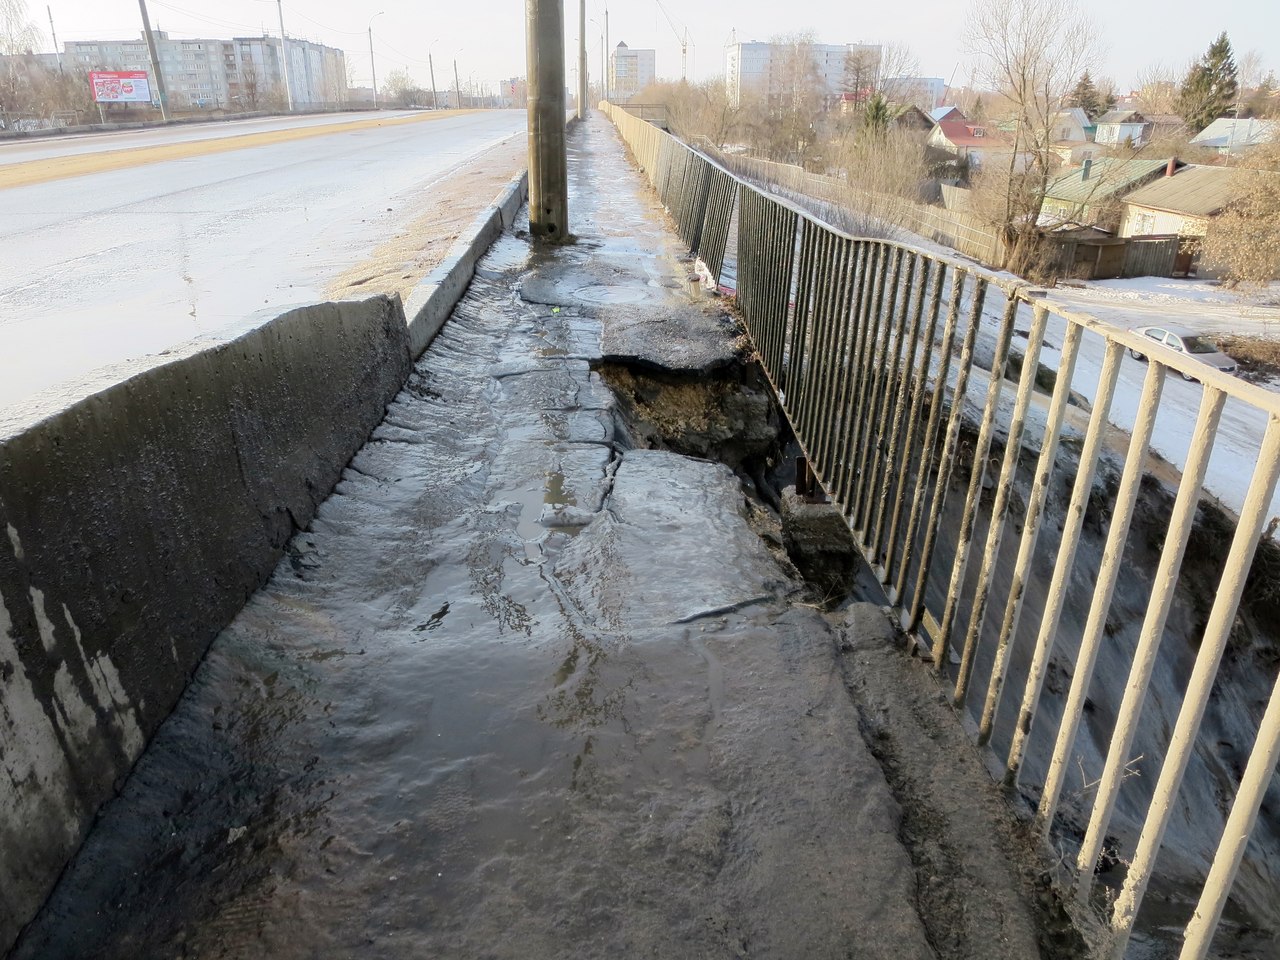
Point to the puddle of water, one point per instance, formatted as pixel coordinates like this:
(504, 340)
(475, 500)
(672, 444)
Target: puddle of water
(599, 293)
(557, 493)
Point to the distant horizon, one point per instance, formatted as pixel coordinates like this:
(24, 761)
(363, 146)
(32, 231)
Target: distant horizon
(1174, 32)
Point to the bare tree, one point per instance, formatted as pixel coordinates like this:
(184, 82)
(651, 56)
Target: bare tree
(1158, 89)
(795, 101)
(1244, 241)
(18, 36)
(1031, 51)
(898, 66)
(861, 73)
(250, 86)
(401, 88)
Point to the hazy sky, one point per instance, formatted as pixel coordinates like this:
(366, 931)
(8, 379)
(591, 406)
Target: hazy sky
(487, 36)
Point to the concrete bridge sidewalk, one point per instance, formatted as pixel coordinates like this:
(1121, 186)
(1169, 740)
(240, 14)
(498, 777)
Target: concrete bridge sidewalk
(525, 689)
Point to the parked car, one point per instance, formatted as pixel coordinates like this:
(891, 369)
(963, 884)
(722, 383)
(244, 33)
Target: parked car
(1193, 345)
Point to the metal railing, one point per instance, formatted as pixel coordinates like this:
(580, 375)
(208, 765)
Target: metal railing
(894, 366)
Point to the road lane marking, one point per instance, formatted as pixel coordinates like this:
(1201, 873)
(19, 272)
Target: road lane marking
(31, 172)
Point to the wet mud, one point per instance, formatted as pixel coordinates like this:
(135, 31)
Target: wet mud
(533, 683)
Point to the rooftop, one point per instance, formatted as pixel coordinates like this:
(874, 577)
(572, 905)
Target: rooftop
(1227, 132)
(1101, 179)
(1198, 191)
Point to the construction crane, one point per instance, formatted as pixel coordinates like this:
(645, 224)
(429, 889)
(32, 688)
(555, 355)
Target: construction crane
(682, 37)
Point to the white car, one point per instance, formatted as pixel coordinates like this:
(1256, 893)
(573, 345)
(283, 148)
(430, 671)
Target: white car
(1194, 346)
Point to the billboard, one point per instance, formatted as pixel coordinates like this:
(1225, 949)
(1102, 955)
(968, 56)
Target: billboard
(120, 86)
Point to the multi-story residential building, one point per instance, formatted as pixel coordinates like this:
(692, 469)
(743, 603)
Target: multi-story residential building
(927, 93)
(244, 72)
(513, 92)
(630, 71)
(750, 67)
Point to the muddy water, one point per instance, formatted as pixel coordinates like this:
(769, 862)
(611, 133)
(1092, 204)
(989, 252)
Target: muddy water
(519, 691)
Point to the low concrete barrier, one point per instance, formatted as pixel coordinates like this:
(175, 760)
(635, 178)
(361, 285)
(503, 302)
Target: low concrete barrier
(435, 297)
(134, 524)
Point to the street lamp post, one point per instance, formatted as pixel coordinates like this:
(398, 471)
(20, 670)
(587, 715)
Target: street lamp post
(435, 103)
(284, 57)
(582, 59)
(604, 62)
(373, 67)
(457, 85)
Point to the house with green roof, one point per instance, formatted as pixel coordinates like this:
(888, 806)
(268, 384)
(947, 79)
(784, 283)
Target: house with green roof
(1091, 195)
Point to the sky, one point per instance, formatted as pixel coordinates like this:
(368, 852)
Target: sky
(486, 37)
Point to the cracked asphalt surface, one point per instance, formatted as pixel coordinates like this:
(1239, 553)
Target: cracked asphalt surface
(518, 691)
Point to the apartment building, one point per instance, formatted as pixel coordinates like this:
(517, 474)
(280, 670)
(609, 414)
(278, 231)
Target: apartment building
(630, 71)
(750, 66)
(241, 73)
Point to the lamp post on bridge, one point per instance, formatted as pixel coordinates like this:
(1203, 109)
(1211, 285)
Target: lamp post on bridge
(604, 61)
(582, 59)
(284, 56)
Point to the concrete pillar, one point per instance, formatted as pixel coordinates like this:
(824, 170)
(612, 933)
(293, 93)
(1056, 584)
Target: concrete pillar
(548, 176)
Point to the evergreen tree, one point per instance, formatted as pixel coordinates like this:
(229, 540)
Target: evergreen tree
(1209, 90)
(1087, 97)
(875, 121)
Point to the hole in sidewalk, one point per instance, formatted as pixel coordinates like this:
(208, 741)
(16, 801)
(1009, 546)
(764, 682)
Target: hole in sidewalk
(730, 415)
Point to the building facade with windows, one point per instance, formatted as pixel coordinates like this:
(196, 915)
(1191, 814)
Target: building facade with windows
(630, 71)
(244, 73)
(749, 67)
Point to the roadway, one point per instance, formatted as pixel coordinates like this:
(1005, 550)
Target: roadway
(41, 148)
(120, 246)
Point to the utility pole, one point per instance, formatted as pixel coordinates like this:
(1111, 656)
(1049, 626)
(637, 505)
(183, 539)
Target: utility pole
(373, 67)
(457, 85)
(548, 173)
(606, 49)
(582, 59)
(155, 60)
(435, 104)
(56, 49)
(284, 57)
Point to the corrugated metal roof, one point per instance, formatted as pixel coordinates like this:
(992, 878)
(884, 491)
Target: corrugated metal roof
(1107, 176)
(1228, 132)
(1078, 115)
(1196, 191)
(1121, 116)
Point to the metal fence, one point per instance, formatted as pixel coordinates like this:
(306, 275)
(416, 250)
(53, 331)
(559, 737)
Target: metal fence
(957, 229)
(990, 452)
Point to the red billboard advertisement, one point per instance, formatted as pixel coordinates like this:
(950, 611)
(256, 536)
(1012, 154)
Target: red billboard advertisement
(120, 86)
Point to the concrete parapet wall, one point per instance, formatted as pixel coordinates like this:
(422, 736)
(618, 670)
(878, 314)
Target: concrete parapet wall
(134, 524)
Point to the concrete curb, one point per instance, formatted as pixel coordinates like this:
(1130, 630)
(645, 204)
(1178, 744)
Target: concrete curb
(431, 302)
